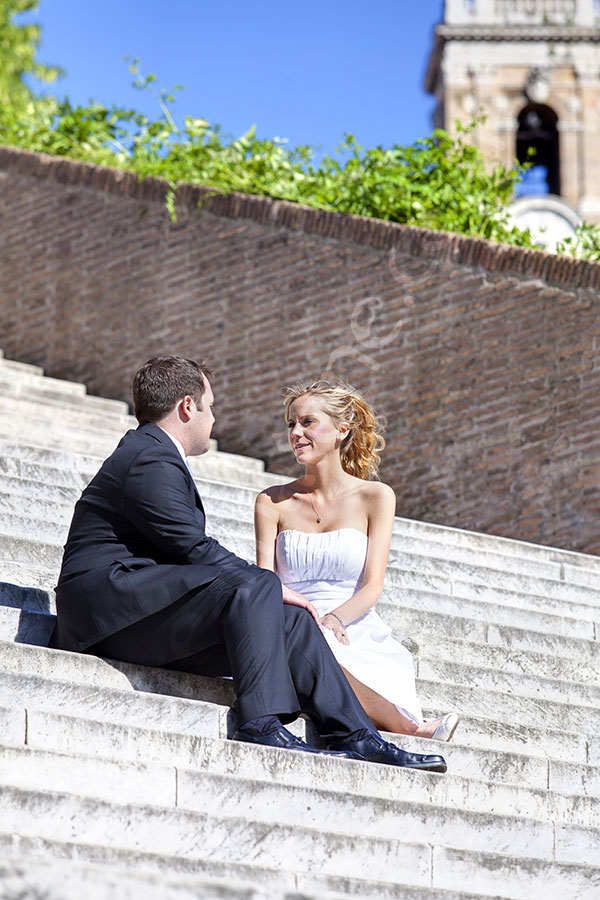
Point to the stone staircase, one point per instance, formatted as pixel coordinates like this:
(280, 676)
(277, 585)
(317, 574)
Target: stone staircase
(118, 780)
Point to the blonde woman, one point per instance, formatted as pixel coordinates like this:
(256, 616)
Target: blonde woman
(327, 535)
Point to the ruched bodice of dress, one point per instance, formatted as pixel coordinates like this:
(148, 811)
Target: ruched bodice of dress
(324, 567)
(327, 568)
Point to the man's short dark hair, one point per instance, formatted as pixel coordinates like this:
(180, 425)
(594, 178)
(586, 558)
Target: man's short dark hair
(162, 381)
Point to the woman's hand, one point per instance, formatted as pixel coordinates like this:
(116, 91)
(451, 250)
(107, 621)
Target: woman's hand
(334, 624)
(295, 599)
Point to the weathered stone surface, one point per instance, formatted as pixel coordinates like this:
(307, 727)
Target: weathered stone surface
(121, 775)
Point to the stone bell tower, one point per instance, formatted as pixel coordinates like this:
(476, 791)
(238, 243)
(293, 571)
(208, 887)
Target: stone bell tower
(533, 68)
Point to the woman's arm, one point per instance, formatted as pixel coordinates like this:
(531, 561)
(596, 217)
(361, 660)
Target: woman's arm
(266, 525)
(381, 508)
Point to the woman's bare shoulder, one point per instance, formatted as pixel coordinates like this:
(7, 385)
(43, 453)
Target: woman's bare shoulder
(378, 491)
(277, 493)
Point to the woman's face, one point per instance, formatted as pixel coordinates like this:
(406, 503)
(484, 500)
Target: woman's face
(312, 431)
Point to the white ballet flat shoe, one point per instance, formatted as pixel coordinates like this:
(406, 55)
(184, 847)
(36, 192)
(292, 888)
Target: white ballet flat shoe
(446, 728)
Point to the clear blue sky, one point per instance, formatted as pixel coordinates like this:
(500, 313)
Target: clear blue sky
(307, 72)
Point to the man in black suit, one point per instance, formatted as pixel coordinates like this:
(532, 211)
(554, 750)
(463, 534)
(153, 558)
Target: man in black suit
(141, 581)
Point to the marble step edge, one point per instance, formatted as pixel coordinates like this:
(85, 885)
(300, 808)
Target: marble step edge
(520, 548)
(18, 366)
(471, 581)
(578, 580)
(24, 627)
(53, 392)
(35, 629)
(29, 876)
(399, 561)
(470, 678)
(42, 418)
(88, 464)
(263, 879)
(193, 832)
(494, 603)
(40, 516)
(207, 710)
(436, 565)
(63, 730)
(34, 455)
(559, 558)
(404, 621)
(557, 555)
(60, 730)
(279, 802)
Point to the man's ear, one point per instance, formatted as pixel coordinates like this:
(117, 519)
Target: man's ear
(184, 408)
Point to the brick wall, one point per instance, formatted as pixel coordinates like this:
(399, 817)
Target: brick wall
(483, 357)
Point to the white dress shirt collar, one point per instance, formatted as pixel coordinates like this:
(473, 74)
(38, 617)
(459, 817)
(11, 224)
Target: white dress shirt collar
(177, 443)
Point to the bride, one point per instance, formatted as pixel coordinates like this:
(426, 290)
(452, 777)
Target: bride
(327, 535)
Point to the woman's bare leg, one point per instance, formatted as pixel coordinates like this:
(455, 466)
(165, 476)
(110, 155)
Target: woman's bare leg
(384, 715)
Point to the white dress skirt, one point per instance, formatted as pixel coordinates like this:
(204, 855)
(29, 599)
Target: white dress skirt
(327, 569)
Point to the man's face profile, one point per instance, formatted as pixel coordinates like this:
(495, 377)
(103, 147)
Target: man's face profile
(202, 421)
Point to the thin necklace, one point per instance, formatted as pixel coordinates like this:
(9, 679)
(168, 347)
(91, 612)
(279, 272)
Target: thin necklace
(319, 517)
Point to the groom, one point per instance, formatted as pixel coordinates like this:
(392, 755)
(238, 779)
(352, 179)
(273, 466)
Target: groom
(141, 581)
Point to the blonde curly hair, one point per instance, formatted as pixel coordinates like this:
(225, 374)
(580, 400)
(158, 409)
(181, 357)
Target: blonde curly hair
(362, 447)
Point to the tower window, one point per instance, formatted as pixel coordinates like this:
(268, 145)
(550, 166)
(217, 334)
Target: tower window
(537, 128)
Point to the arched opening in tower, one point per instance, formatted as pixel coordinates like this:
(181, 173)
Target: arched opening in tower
(537, 130)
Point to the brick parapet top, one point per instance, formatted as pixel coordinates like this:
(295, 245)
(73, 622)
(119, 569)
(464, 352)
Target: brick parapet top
(561, 271)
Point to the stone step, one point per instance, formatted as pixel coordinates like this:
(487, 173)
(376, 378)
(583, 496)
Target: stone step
(295, 843)
(491, 678)
(22, 378)
(56, 393)
(18, 606)
(491, 718)
(462, 544)
(555, 567)
(456, 539)
(191, 835)
(113, 705)
(50, 730)
(505, 659)
(60, 416)
(480, 731)
(24, 574)
(401, 587)
(19, 367)
(30, 460)
(59, 879)
(456, 809)
(36, 628)
(539, 674)
(209, 878)
(224, 524)
(109, 777)
(396, 605)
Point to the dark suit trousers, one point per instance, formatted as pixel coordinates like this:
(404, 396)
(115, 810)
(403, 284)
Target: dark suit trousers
(238, 625)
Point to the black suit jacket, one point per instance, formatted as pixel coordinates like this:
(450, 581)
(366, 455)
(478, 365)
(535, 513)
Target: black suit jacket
(136, 544)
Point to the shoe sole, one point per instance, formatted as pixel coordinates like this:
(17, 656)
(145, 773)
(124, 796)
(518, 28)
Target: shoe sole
(440, 767)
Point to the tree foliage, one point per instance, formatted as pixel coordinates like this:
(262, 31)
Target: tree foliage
(439, 182)
(18, 47)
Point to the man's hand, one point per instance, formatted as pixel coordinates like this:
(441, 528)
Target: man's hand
(295, 599)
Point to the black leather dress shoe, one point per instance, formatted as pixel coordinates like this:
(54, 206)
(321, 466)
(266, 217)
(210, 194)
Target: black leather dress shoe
(281, 737)
(373, 748)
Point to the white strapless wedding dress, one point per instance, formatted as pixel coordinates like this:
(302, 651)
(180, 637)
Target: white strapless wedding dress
(327, 569)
